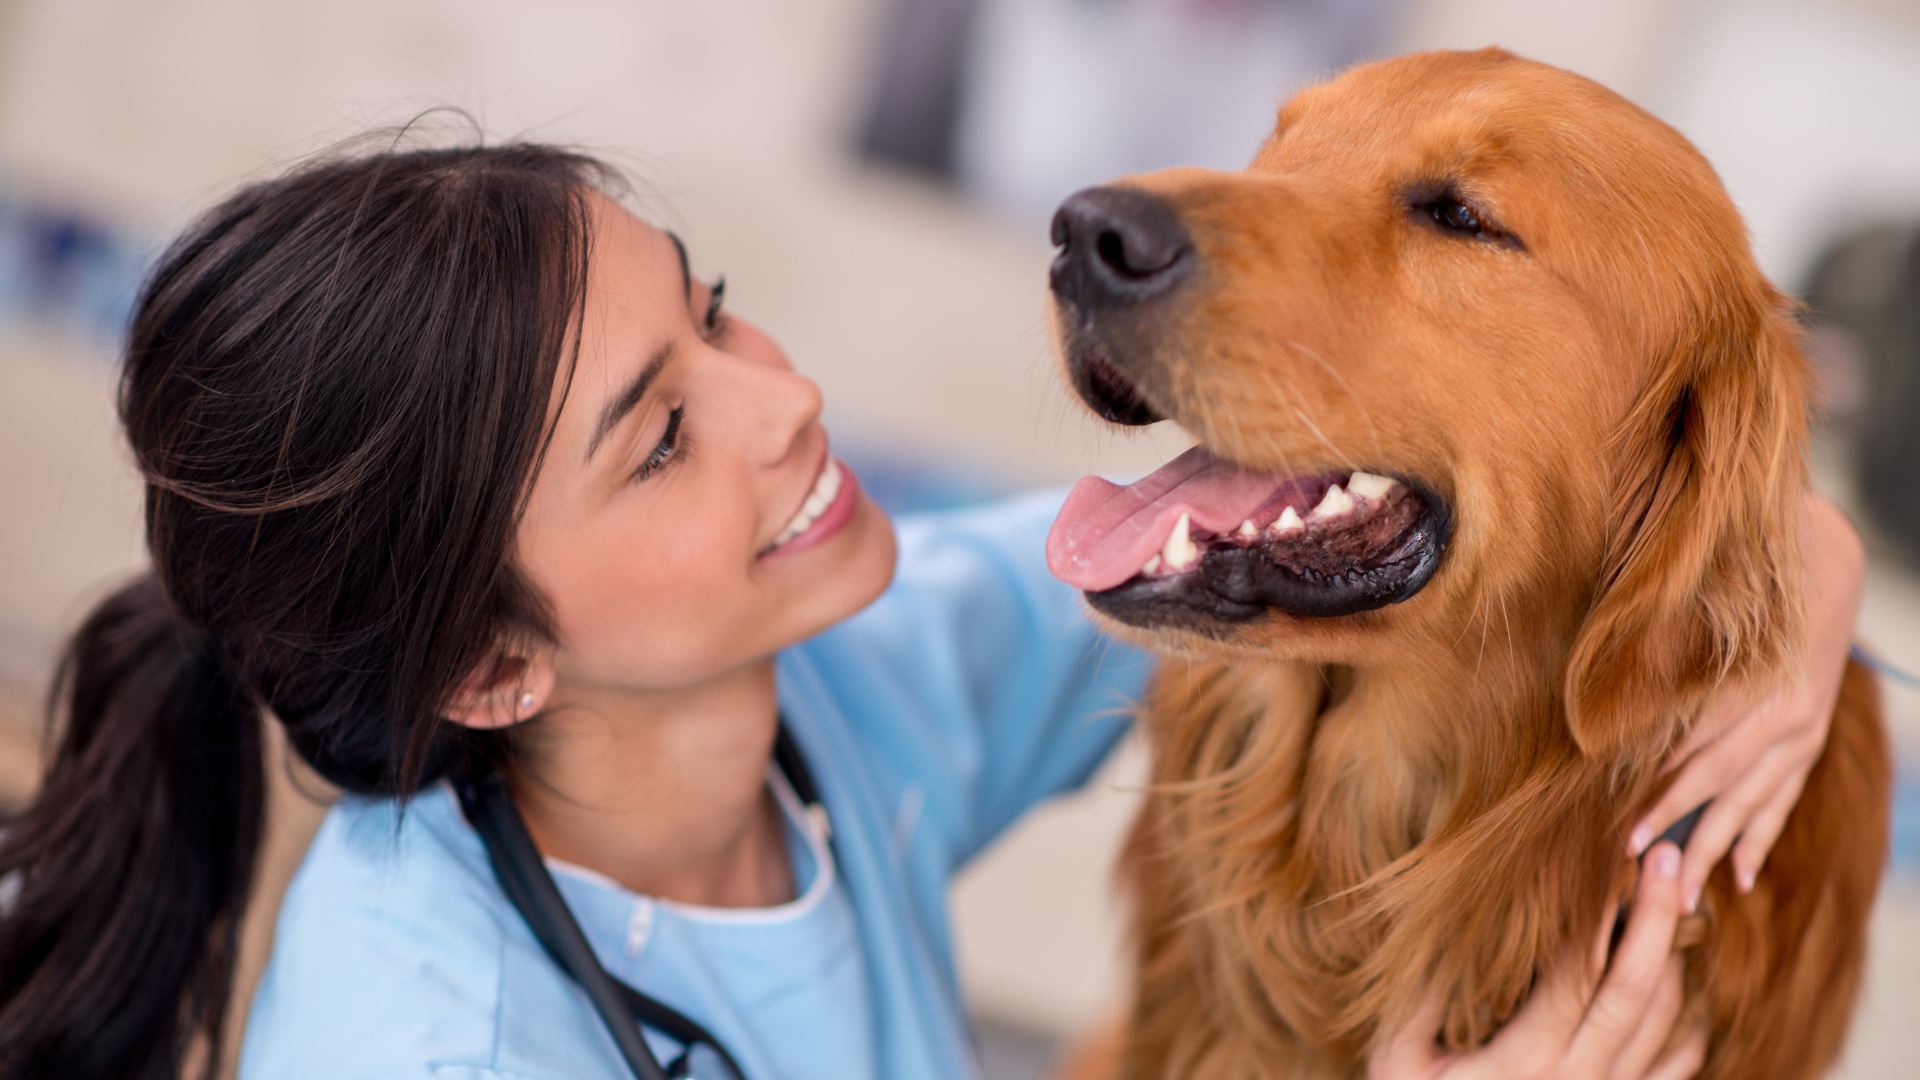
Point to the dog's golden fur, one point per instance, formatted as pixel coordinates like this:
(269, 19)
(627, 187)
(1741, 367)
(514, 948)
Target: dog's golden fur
(1351, 813)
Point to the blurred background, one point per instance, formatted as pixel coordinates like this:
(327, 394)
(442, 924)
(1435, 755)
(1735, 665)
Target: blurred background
(875, 178)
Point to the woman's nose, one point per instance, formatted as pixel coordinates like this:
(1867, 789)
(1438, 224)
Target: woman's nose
(789, 403)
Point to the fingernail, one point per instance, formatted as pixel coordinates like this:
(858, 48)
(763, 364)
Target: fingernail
(1666, 861)
(1638, 842)
(1746, 881)
(1693, 899)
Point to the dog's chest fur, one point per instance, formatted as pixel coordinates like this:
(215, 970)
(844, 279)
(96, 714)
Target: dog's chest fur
(1317, 851)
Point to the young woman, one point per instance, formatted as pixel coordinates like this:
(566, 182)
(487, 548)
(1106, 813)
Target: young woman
(458, 474)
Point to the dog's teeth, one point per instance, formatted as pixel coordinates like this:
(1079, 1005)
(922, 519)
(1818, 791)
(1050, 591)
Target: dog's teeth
(1248, 529)
(1180, 552)
(1333, 504)
(1289, 522)
(1153, 564)
(1369, 485)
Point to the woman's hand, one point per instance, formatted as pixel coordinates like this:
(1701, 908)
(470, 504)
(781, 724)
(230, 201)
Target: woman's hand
(1753, 747)
(1568, 1029)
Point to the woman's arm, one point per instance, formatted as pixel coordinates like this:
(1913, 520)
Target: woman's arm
(1754, 746)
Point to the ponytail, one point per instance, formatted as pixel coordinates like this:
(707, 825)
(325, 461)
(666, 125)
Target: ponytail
(123, 884)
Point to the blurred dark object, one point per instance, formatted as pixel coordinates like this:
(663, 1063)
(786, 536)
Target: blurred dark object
(1020, 102)
(1008, 1052)
(915, 107)
(1865, 342)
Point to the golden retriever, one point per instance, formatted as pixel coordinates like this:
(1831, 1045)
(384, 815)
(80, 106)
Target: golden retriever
(1500, 470)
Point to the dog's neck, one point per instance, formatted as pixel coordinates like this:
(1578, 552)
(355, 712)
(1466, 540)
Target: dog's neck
(1392, 750)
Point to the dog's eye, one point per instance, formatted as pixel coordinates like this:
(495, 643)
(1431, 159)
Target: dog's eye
(1457, 217)
(1447, 209)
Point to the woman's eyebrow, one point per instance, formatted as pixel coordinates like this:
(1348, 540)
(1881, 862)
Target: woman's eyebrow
(686, 268)
(621, 405)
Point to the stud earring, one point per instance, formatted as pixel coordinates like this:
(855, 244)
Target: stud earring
(526, 701)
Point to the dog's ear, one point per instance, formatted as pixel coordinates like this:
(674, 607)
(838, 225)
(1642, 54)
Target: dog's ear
(1702, 571)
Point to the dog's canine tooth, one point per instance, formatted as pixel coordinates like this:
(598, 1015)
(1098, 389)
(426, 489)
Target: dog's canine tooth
(1180, 552)
(1289, 522)
(1333, 504)
(1369, 485)
(1248, 529)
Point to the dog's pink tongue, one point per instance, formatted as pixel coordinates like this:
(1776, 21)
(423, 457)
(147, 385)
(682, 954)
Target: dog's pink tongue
(1105, 532)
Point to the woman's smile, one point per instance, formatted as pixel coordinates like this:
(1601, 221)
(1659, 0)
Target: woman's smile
(827, 509)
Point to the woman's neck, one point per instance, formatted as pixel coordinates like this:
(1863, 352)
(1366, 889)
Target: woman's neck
(664, 793)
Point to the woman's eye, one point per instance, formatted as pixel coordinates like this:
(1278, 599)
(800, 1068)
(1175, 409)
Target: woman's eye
(668, 447)
(1457, 217)
(713, 320)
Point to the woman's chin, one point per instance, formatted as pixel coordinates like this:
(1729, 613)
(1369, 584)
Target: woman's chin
(850, 569)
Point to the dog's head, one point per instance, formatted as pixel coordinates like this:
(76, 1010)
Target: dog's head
(1474, 348)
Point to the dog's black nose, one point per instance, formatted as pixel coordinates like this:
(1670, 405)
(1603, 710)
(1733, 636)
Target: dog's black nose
(1117, 246)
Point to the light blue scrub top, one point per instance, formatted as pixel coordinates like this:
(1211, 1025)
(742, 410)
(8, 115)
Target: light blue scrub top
(972, 689)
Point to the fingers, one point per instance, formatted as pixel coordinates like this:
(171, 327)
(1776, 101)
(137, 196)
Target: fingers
(1756, 840)
(1568, 1029)
(1728, 706)
(1412, 1053)
(1731, 813)
(1684, 1060)
(1714, 768)
(1633, 980)
(1758, 767)
(1656, 1024)
(1755, 804)
(1538, 1035)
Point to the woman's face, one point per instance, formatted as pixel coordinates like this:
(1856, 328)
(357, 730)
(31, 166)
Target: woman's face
(662, 524)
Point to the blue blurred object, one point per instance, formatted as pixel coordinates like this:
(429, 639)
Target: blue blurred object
(903, 480)
(1905, 855)
(67, 269)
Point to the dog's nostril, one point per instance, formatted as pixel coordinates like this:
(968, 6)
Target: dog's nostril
(1139, 255)
(1113, 252)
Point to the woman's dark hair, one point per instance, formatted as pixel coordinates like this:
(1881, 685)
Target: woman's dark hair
(337, 385)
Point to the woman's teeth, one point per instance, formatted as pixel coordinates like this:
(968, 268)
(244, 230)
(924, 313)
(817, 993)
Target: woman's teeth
(825, 490)
(1180, 553)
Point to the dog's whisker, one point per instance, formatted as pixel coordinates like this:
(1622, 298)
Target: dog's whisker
(1465, 625)
(1513, 654)
(1486, 620)
(1373, 433)
(1315, 428)
(1284, 391)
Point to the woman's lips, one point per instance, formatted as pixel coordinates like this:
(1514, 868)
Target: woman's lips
(839, 489)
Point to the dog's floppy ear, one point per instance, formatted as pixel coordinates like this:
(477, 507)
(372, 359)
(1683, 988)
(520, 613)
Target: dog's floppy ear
(1702, 571)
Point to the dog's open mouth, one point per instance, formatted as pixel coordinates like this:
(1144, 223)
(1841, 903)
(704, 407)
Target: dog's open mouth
(1205, 537)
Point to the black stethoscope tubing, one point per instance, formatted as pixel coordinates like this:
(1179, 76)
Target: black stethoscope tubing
(489, 807)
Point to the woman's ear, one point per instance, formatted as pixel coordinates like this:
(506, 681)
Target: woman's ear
(1701, 579)
(502, 690)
